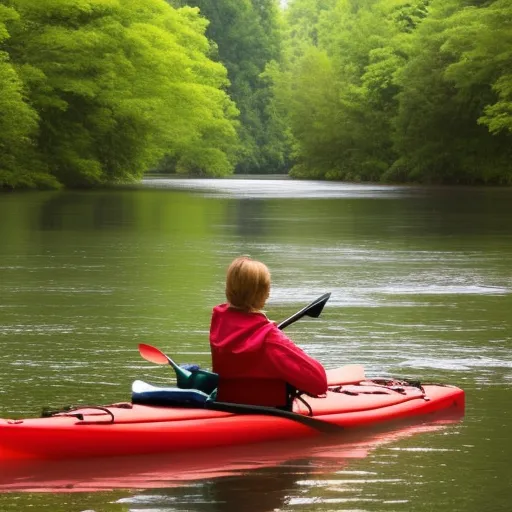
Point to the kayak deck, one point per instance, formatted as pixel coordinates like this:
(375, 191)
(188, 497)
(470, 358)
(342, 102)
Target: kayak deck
(133, 429)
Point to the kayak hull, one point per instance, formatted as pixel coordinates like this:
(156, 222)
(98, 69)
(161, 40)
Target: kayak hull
(151, 471)
(132, 429)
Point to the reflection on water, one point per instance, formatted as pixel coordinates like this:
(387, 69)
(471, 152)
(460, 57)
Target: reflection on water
(318, 456)
(73, 210)
(275, 188)
(421, 287)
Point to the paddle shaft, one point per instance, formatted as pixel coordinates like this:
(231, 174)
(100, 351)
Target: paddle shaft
(319, 425)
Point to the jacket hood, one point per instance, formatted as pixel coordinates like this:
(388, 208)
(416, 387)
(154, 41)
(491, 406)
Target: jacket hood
(237, 331)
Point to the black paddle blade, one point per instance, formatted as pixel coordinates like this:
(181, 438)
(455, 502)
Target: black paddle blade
(313, 310)
(316, 307)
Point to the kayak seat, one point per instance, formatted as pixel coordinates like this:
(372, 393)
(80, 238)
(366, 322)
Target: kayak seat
(147, 394)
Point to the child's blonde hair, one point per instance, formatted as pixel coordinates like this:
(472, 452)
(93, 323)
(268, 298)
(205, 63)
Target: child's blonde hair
(247, 284)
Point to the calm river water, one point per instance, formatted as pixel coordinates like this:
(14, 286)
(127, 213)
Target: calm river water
(421, 282)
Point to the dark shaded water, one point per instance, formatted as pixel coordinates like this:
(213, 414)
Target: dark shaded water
(421, 283)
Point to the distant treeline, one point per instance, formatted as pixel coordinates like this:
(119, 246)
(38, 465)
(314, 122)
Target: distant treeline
(390, 90)
(97, 92)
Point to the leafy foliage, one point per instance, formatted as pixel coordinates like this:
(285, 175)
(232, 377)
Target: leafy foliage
(18, 122)
(246, 38)
(451, 122)
(98, 91)
(115, 85)
(400, 90)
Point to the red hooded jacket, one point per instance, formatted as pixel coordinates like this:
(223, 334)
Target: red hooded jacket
(255, 360)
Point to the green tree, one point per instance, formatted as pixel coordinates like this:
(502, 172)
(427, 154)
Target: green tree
(356, 102)
(18, 122)
(119, 83)
(481, 37)
(454, 115)
(245, 36)
(402, 91)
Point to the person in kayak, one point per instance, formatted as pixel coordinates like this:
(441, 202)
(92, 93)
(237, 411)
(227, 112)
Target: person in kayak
(256, 363)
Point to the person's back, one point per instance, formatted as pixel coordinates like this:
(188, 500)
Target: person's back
(255, 361)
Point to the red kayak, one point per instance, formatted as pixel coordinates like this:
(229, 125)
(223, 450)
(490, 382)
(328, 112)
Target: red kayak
(196, 423)
(326, 453)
